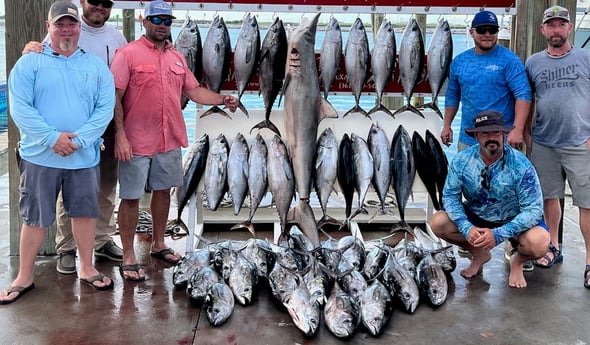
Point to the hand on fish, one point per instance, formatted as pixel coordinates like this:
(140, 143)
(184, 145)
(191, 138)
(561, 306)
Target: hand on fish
(230, 102)
(481, 238)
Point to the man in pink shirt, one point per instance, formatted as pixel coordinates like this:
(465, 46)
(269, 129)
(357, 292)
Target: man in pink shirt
(150, 77)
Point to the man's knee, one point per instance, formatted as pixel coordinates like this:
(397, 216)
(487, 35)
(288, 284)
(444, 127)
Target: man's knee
(535, 241)
(440, 223)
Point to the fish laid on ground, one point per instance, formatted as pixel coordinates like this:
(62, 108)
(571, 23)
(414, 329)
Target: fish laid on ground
(330, 54)
(383, 63)
(216, 59)
(354, 284)
(282, 282)
(271, 71)
(330, 253)
(425, 167)
(200, 282)
(442, 253)
(303, 309)
(246, 55)
(304, 109)
(257, 252)
(442, 164)
(189, 265)
(188, 43)
(363, 170)
(380, 150)
(352, 253)
(257, 179)
(345, 174)
(242, 278)
(376, 307)
(326, 170)
(374, 260)
(440, 55)
(193, 166)
(219, 303)
(237, 171)
(356, 61)
(342, 314)
(411, 63)
(403, 169)
(401, 284)
(432, 281)
(216, 172)
(281, 181)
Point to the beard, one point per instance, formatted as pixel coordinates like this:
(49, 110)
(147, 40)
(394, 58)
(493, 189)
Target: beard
(67, 45)
(556, 41)
(492, 147)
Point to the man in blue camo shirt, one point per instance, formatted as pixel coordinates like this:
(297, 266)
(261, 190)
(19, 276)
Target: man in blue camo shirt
(492, 193)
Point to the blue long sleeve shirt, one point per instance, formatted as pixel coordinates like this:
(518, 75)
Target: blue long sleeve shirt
(491, 81)
(50, 94)
(514, 194)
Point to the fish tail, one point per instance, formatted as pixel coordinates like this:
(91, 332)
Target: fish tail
(243, 109)
(215, 109)
(356, 109)
(433, 106)
(266, 124)
(327, 220)
(380, 107)
(245, 225)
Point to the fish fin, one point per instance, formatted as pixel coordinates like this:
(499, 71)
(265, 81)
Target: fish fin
(327, 110)
(215, 109)
(266, 124)
(247, 225)
(284, 87)
(356, 109)
(433, 106)
(327, 220)
(380, 107)
(378, 213)
(243, 109)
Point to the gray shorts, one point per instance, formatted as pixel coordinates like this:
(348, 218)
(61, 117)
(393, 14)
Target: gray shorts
(148, 173)
(39, 187)
(553, 164)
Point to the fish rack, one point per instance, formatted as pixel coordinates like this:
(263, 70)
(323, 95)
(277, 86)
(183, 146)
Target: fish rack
(418, 213)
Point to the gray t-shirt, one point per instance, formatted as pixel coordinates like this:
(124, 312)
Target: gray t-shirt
(562, 91)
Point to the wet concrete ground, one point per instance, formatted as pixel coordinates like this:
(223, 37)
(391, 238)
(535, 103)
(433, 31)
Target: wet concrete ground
(553, 309)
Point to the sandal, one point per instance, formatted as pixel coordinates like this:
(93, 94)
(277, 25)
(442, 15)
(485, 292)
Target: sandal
(131, 268)
(557, 257)
(587, 277)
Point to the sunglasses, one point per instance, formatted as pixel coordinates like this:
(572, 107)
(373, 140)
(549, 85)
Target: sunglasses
(560, 14)
(485, 182)
(483, 29)
(158, 21)
(105, 4)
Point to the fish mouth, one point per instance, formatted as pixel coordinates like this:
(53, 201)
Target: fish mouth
(294, 60)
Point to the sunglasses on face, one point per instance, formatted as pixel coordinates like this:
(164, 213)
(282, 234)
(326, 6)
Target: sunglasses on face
(105, 4)
(483, 29)
(485, 182)
(158, 21)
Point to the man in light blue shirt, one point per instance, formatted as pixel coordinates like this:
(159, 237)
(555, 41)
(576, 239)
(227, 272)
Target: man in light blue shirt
(492, 194)
(61, 101)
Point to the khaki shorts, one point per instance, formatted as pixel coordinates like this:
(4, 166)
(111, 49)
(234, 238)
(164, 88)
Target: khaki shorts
(148, 173)
(554, 164)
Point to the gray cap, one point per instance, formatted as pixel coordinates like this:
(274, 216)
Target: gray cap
(554, 12)
(60, 9)
(158, 8)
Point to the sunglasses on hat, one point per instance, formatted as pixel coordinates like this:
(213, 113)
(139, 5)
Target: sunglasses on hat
(158, 21)
(492, 30)
(105, 4)
(559, 14)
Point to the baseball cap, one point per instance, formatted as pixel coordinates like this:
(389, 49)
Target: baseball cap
(488, 121)
(158, 8)
(484, 18)
(60, 9)
(556, 12)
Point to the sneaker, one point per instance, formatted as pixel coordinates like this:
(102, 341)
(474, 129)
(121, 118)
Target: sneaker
(509, 251)
(110, 251)
(66, 263)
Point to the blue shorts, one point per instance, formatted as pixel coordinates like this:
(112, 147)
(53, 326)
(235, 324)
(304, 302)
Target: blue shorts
(39, 187)
(148, 173)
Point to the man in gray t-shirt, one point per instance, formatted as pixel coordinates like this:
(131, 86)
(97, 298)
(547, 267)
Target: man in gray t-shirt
(560, 78)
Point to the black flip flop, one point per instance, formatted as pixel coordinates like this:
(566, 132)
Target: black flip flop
(133, 268)
(162, 256)
(586, 276)
(99, 277)
(21, 292)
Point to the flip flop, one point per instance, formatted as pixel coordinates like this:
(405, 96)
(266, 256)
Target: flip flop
(162, 256)
(20, 290)
(99, 277)
(131, 268)
(586, 277)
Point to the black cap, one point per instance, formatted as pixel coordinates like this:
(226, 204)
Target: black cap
(60, 9)
(488, 121)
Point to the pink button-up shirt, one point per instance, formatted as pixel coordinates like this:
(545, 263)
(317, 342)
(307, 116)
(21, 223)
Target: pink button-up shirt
(153, 81)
